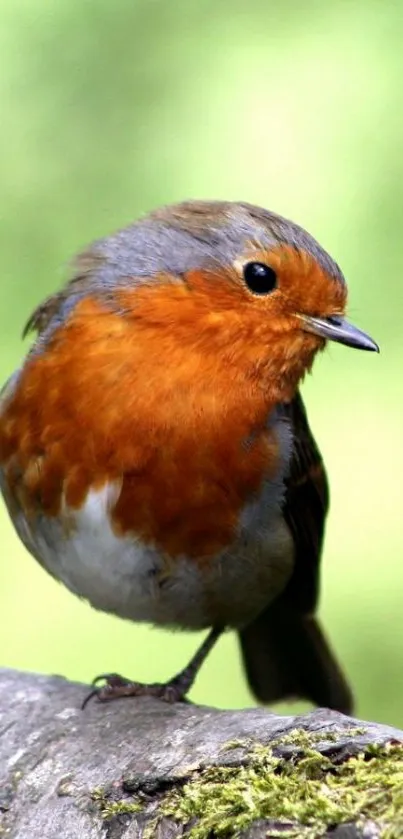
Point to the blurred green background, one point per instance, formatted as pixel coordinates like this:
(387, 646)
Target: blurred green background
(112, 108)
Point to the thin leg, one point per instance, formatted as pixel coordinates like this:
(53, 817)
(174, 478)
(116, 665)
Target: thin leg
(174, 690)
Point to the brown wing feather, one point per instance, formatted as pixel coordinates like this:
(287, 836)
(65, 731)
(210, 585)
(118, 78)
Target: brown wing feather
(305, 508)
(83, 267)
(284, 650)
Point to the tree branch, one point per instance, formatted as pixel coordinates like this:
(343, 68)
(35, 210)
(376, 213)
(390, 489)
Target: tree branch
(136, 767)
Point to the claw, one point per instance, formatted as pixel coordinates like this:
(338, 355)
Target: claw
(112, 689)
(117, 687)
(109, 678)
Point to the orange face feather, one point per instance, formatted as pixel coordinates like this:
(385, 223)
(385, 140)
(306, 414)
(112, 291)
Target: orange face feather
(126, 392)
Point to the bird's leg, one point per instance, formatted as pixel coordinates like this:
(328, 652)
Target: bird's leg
(174, 690)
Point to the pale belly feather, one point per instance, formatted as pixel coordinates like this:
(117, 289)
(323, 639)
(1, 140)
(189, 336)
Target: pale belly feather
(130, 579)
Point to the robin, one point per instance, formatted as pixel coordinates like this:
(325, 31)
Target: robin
(155, 452)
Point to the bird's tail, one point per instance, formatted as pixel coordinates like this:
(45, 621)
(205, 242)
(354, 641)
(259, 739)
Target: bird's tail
(286, 656)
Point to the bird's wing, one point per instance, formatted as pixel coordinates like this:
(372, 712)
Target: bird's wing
(305, 508)
(284, 650)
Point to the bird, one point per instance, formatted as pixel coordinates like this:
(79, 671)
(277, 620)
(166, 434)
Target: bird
(155, 451)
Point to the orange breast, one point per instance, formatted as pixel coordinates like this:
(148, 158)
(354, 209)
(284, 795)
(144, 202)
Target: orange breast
(115, 398)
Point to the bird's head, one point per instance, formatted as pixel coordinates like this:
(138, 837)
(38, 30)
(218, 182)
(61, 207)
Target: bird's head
(227, 282)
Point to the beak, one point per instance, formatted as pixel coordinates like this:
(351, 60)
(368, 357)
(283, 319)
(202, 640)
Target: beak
(336, 328)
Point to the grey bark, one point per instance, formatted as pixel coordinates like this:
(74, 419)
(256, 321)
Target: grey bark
(54, 755)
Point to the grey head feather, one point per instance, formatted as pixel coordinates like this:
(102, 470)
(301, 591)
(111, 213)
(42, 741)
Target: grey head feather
(173, 240)
(199, 234)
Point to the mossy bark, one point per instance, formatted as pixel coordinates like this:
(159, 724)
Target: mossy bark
(141, 768)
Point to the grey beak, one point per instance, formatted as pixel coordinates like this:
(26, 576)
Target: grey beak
(336, 328)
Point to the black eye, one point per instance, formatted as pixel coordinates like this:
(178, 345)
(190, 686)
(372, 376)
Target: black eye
(260, 278)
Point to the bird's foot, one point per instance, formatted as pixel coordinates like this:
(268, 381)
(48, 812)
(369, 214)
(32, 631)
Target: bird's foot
(116, 687)
(175, 690)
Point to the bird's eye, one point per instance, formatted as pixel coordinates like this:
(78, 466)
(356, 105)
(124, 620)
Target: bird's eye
(260, 278)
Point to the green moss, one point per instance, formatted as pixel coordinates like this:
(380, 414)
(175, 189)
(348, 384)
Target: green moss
(303, 739)
(114, 807)
(298, 738)
(118, 808)
(307, 789)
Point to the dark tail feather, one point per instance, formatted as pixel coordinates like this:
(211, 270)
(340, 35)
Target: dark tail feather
(286, 656)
